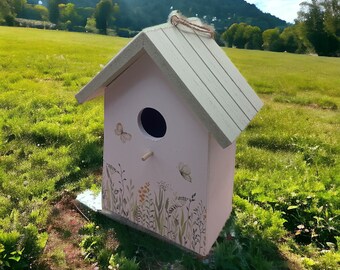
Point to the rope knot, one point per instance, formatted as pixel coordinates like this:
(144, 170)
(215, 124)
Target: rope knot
(175, 18)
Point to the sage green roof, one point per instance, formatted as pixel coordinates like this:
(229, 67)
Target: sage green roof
(198, 70)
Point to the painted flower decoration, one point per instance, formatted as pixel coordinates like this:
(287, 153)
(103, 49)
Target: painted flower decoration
(143, 192)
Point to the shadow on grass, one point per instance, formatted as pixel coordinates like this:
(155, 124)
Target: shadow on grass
(90, 160)
(151, 252)
(234, 249)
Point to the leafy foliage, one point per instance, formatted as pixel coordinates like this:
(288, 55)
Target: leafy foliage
(321, 21)
(118, 262)
(53, 7)
(95, 249)
(245, 36)
(103, 15)
(20, 247)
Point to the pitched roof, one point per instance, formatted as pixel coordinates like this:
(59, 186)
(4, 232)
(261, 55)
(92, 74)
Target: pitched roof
(199, 71)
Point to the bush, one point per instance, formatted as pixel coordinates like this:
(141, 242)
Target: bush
(10, 254)
(19, 249)
(119, 262)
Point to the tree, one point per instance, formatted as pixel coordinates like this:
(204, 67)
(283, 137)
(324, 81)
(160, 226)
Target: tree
(290, 39)
(53, 8)
(19, 6)
(321, 21)
(332, 25)
(35, 12)
(239, 38)
(253, 37)
(229, 34)
(272, 40)
(91, 25)
(7, 13)
(243, 36)
(43, 11)
(103, 15)
(332, 17)
(85, 13)
(116, 8)
(68, 16)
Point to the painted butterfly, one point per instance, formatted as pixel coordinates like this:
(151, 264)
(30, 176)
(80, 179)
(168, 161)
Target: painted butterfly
(124, 136)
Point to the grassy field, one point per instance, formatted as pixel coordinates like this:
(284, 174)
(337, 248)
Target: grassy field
(286, 201)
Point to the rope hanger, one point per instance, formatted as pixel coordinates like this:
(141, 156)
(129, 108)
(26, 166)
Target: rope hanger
(177, 19)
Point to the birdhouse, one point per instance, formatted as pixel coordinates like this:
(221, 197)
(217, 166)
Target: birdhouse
(174, 106)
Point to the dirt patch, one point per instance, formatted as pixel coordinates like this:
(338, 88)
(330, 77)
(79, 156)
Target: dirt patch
(62, 250)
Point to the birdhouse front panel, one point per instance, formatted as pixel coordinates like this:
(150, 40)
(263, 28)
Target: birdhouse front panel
(155, 171)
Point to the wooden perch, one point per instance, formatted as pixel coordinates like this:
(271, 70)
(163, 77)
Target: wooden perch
(147, 155)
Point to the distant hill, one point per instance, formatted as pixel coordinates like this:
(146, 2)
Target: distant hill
(137, 14)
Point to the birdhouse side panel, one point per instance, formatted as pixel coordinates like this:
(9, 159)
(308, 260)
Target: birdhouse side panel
(220, 187)
(166, 192)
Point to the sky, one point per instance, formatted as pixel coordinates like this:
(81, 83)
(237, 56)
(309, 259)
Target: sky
(283, 9)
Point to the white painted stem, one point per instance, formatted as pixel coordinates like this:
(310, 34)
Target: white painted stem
(147, 155)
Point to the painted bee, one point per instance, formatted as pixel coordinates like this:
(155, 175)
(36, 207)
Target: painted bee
(185, 171)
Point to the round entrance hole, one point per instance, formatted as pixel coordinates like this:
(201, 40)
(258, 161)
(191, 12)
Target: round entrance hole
(152, 122)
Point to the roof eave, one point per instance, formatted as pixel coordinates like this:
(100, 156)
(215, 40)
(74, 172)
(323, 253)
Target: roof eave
(125, 58)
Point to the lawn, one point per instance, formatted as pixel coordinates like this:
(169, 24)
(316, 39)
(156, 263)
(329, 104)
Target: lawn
(286, 201)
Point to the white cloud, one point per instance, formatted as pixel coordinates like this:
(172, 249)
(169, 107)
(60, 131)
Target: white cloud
(283, 9)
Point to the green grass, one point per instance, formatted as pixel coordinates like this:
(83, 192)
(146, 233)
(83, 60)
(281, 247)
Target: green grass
(286, 204)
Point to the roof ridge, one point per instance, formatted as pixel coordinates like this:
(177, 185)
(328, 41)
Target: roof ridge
(157, 27)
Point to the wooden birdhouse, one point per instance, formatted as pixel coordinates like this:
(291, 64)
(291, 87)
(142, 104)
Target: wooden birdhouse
(174, 106)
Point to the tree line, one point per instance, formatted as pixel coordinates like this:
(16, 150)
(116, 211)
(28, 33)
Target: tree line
(137, 14)
(244, 36)
(61, 14)
(316, 30)
(134, 15)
